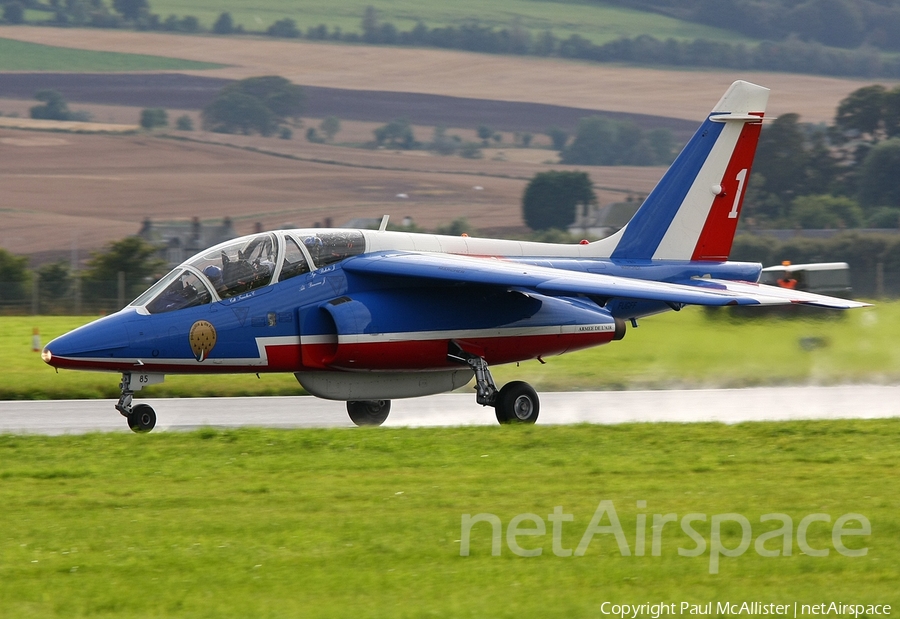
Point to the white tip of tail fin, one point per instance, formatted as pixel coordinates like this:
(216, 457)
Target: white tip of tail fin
(743, 98)
(692, 213)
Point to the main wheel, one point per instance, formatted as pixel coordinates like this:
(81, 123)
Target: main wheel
(142, 418)
(517, 402)
(369, 412)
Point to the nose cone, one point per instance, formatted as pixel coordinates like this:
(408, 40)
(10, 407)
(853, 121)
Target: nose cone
(98, 345)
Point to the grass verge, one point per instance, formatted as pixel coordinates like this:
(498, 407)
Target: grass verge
(23, 56)
(367, 522)
(684, 349)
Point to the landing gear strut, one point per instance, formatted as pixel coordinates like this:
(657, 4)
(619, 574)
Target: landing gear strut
(141, 417)
(516, 402)
(368, 412)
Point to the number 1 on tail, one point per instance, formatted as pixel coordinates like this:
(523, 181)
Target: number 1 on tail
(740, 178)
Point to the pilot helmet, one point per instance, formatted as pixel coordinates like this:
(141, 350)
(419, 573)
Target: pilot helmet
(213, 272)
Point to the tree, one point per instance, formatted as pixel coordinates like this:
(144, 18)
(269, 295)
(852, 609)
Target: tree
(601, 141)
(552, 199)
(836, 23)
(189, 23)
(54, 108)
(397, 134)
(55, 279)
(131, 9)
(826, 211)
(484, 133)
(663, 144)
(471, 150)
(154, 117)
(878, 184)
(594, 144)
(286, 28)
(781, 157)
(284, 99)
(256, 104)
(558, 137)
(233, 112)
(862, 110)
(330, 127)
(224, 24)
(133, 256)
(13, 276)
(184, 123)
(14, 13)
(441, 143)
(370, 25)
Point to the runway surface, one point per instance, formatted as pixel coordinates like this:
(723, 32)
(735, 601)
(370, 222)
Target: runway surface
(602, 407)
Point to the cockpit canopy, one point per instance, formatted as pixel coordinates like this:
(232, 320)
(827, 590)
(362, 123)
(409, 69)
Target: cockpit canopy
(245, 264)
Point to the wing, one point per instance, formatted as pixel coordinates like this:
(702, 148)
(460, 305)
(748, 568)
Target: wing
(497, 272)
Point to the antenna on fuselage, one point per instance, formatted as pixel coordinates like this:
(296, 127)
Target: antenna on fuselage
(384, 221)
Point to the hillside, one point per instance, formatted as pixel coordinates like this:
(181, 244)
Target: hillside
(677, 94)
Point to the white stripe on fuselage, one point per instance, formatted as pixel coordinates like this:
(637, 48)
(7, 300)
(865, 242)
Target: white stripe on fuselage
(458, 334)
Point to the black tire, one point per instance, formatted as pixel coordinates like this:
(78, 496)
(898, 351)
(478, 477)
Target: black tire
(369, 412)
(142, 418)
(517, 402)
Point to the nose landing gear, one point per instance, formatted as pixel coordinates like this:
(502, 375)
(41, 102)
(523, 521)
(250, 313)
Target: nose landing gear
(141, 417)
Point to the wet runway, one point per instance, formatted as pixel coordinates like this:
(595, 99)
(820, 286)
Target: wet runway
(602, 407)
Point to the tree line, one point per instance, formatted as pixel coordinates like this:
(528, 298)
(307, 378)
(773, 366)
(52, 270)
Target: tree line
(57, 287)
(837, 23)
(826, 37)
(842, 175)
(786, 54)
(837, 176)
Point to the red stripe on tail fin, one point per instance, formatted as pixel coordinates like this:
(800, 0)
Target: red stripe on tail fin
(715, 239)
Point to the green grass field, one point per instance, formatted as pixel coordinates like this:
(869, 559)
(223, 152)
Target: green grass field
(599, 23)
(684, 349)
(22, 56)
(368, 522)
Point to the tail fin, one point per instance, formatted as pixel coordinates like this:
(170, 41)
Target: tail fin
(693, 212)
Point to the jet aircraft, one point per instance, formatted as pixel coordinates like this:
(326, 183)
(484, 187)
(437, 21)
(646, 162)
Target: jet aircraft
(366, 316)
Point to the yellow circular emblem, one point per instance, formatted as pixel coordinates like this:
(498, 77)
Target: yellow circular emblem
(202, 338)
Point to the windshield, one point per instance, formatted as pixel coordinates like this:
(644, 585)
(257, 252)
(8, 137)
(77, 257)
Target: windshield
(185, 290)
(153, 290)
(328, 247)
(238, 267)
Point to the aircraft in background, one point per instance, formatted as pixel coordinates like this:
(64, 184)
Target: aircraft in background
(368, 316)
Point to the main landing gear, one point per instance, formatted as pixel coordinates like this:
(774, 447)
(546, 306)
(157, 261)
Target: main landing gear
(369, 412)
(515, 402)
(141, 417)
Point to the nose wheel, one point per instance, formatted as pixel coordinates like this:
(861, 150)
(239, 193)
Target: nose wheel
(141, 417)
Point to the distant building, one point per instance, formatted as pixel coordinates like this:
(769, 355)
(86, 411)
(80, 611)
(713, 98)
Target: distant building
(600, 222)
(179, 240)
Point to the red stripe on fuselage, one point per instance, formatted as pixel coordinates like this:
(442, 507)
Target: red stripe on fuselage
(432, 354)
(409, 355)
(718, 231)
